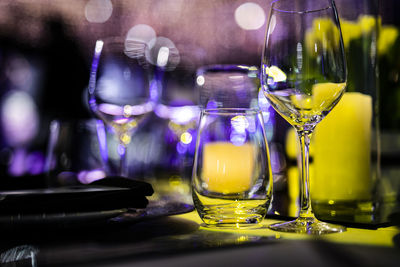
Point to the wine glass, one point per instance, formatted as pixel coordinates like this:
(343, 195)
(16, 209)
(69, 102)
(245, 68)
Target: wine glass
(72, 156)
(303, 77)
(119, 89)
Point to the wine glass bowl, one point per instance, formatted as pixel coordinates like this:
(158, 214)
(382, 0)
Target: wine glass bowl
(303, 64)
(228, 86)
(119, 89)
(304, 76)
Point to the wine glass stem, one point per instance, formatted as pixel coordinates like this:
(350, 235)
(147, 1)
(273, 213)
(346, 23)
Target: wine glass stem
(305, 201)
(123, 167)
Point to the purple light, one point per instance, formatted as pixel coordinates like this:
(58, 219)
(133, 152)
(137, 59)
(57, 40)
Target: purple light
(268, 114)
(35, 163)
(184, 114)
(238, 139)
(127, 110)
(87, 177)
(102, 138)
(141, 109)
(271, 82)
(121, 150)
(111, 109)
(179, 115)
(95, 65)
(121, 121)
(17, 166)
(212, 104)
(181, 148)
(252, 126)
(154, 91)
(239, 124)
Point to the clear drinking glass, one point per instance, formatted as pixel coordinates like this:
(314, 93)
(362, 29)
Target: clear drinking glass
(119, 89)
(228, 86)
(304, 76)
(232, 179)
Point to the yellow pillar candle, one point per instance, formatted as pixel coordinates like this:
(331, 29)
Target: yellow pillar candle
(228, 168)
(342, 144)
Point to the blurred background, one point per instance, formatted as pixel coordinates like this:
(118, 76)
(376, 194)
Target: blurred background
(46, 48)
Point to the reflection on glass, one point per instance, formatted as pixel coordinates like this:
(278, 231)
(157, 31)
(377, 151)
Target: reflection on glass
(228, 86)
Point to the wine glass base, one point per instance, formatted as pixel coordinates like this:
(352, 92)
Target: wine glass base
(310, 226)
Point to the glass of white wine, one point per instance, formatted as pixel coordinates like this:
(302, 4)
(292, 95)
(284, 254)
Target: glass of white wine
(119, 89)
(303, 77)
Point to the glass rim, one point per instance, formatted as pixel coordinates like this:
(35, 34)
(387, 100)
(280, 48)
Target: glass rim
(305, 11)
(111, 39)
(231, 111)
(104, 43)
(216, 68)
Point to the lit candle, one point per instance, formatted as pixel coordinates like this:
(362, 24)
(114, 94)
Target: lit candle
(342, 163)
(228, 168)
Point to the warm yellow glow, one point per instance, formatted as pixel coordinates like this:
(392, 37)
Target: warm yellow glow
(127, 111)
(322, 35)
(387, 37)
(350, 30)
(186, 138)
(125, 138)
(322, 97)
(381, 237)
(293, 181)
(276, 73)
(228, 168)
(323, 93)
(292, 144)
(367, 23)
(293, 177)
(342, 144)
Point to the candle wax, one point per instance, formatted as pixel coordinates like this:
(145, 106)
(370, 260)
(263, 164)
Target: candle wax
(342, 144)
(228, 168)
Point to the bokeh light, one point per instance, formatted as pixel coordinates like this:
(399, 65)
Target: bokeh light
(250, 16)
(163, 53)
(162, 57)
(87, 177)
(98, 11)
(186, 138)
(20, 119)
(20, 72)
(200, 80)
(141, 33)
(239, 123)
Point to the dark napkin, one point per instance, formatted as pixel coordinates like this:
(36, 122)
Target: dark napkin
(106, 194)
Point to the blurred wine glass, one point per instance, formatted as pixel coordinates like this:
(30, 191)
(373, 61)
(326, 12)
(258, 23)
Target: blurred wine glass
(119, 89)
(73, 156)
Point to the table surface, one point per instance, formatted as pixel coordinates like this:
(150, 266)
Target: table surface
(183, 240)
